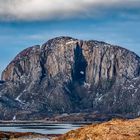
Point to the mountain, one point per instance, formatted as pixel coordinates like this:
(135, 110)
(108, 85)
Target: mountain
(116, 129)
(67, 75)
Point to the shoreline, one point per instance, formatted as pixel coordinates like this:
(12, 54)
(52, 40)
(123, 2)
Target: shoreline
(47, 122)
(115, 128)
(38, 132)
(28, 135)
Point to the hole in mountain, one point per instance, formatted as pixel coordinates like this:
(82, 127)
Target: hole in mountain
(80, 64)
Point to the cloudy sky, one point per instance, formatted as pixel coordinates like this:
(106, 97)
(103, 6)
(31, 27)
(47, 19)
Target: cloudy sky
(24, 23)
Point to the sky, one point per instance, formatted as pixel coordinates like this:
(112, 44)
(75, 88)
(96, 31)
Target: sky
(24, 23)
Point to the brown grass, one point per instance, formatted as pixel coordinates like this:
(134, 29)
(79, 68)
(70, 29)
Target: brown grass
(116, 129)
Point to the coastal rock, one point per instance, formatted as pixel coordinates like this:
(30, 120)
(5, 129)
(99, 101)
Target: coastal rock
(22, 136)
(67, 75)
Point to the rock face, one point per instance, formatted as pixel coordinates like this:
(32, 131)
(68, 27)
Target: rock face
(67, 75)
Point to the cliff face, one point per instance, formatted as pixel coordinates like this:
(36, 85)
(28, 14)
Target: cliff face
(70, 75)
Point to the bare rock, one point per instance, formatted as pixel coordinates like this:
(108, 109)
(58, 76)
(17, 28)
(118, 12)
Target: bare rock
(67, 75)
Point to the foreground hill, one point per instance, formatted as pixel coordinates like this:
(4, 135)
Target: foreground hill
(112, 130)
(66, 75)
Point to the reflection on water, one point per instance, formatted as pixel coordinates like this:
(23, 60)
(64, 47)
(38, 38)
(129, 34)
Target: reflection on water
(40, 128)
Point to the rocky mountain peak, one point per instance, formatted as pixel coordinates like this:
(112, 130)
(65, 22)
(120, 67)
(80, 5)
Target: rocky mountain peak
(68, 75)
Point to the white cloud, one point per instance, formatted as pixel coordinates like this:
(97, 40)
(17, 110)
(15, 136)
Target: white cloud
(47, 9)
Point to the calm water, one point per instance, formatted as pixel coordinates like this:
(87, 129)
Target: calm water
(42, 128)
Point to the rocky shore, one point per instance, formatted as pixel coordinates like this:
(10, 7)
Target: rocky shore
(83, 117)
(25, 136)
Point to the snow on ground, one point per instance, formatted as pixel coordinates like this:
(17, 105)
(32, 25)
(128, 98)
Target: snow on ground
(18, 98)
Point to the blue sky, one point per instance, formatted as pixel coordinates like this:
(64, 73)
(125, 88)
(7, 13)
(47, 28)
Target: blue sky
(30, 23)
